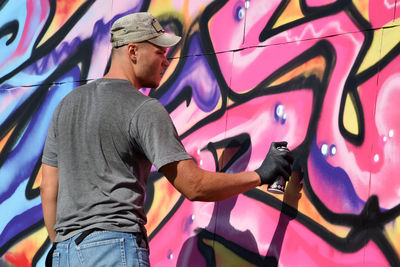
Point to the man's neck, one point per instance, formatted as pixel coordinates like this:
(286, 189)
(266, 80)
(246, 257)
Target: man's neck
(118, 75)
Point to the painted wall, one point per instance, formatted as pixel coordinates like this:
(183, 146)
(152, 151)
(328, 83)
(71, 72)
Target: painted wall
(323, 75)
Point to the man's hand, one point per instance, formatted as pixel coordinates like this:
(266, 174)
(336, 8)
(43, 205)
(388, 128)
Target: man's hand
(276, 163)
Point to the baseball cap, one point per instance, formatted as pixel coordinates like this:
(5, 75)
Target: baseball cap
(140, 27)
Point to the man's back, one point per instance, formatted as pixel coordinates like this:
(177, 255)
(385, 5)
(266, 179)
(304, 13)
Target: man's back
(98, 161)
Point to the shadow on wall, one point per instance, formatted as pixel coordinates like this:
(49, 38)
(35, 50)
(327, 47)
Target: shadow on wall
(221, 244)
(207, 248)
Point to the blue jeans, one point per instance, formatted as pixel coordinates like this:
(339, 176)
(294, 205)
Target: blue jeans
(102, 248)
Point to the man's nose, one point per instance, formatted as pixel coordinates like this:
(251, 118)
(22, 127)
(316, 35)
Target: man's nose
(166, 62)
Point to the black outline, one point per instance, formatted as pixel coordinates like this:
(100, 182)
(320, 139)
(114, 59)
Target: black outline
(10, 27)
(368, 225)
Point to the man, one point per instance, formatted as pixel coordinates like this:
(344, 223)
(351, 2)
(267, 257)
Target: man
(102, 141)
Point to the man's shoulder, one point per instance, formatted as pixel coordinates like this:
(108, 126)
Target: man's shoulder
(114, 90)
(80, 89)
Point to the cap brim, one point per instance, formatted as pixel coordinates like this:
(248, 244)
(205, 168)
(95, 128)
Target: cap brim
(165, 40)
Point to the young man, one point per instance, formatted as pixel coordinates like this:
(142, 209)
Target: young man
(102, 141)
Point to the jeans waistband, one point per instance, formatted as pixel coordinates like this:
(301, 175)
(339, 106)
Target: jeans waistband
(84, 234)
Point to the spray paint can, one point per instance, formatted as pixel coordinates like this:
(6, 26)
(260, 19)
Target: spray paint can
(278, 186)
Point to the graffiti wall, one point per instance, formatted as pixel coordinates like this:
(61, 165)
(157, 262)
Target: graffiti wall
(323, 75)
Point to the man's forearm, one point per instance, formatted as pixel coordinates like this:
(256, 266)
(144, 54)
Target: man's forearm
(49, 213)
(48, 194)
(215, 186)
(197, 184)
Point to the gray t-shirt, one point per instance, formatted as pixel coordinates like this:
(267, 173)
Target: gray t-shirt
(103, 138)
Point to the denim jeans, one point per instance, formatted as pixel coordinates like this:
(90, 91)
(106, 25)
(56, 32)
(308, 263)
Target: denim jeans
(102, 248)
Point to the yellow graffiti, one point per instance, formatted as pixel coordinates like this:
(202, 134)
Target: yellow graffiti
(372, 56)
(3, 141)
(291, 13)
(225, 257)
(315, 66)
(383, 42)
(363, 7)
(392, 233)
(391, 37)
(350, 120)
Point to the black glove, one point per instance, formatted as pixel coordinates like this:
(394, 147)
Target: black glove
(276, 163)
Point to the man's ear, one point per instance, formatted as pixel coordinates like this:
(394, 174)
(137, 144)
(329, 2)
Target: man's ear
(132, 51)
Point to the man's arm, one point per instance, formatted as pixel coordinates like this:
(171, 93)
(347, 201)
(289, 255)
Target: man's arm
(197, 184)
(48, 193)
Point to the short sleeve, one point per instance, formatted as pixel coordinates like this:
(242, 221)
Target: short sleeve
(50, 148)
(153, 130)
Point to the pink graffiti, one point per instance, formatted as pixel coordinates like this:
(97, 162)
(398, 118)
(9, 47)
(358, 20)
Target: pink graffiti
(300, 245)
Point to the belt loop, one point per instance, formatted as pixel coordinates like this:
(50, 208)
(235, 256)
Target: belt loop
(139, 239)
